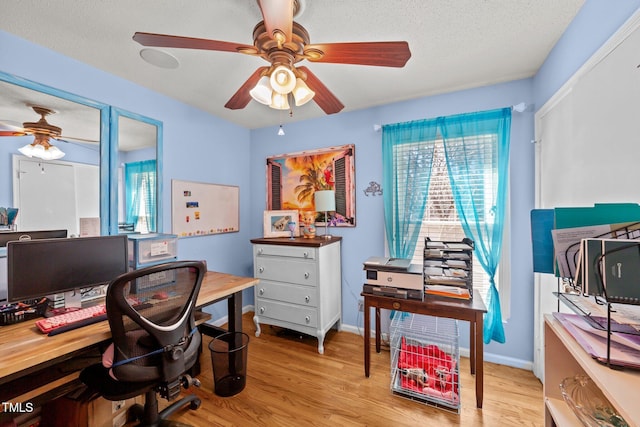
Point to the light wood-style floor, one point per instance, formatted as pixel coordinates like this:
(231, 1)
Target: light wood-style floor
(290, 384)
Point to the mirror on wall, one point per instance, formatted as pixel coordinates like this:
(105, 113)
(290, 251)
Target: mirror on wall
(84, 182)
(136, 166)
(50, 194)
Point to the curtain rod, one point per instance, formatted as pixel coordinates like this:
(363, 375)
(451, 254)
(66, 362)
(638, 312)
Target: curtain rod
(518, 108)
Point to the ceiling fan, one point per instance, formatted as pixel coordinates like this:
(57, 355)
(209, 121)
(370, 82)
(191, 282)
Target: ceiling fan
(283, 43)
(42, 132)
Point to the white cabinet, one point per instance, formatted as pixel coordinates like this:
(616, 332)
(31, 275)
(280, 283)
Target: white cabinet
(300, 285)
(564, 357)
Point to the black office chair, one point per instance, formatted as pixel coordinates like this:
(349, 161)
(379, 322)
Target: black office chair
(155, 339)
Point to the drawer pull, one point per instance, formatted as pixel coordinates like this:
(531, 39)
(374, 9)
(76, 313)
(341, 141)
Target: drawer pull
(307, 319)
(307, 298)
(260, 251)
(305, 254)
(306, 275)
(260, 269)
(261, 291)
(396, 305)
(261, 310)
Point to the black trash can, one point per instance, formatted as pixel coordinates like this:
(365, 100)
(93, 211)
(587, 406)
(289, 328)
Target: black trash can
(229, 360)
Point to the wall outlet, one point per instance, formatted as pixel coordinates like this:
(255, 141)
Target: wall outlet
(361, 306)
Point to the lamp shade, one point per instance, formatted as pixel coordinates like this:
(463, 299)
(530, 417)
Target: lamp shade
(279, 101)
(262, 91)
(282, 79)
(301, 93)
(325, 200)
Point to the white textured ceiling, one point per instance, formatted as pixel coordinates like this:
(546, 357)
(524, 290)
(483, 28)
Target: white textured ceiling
(455, 44)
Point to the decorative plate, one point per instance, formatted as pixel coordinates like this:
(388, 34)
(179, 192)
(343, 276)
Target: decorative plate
(589, 404)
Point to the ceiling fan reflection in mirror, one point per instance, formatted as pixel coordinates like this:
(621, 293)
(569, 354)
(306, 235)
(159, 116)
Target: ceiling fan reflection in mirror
(42, 132)
(283, 43)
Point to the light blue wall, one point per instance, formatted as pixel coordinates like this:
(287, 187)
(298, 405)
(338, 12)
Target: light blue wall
(203, 148)
(367, 238)
(197, 146)
(595, 23)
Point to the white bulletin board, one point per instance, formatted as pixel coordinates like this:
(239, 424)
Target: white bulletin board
(201, 209)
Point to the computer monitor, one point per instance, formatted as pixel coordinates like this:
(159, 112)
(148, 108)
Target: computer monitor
(9, 236)
(37, 268)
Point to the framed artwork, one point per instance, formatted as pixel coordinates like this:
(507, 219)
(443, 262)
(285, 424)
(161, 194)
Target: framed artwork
(276, 223)
(292, 180)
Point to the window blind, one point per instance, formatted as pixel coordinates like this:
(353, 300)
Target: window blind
(440, 220)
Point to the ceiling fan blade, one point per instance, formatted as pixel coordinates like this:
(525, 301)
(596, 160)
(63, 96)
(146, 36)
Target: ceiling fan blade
(11, 128)
(241, 98)
(382, 54)
(165, 40)
(13, 133)
(66, 138)
(278, 17)
(326, 100)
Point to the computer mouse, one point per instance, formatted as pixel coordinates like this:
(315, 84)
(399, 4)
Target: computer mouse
(160, 295)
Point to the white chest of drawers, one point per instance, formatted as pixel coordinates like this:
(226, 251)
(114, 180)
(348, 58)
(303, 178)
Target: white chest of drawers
(300, 285)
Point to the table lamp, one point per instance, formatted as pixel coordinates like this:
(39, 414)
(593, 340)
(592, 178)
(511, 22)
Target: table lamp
(325, 200)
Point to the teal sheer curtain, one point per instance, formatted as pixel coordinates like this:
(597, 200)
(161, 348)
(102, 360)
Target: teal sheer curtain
(407, 155)
(140, 185)
(469, 141)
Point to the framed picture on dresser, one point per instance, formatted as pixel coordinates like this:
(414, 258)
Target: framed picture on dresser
(276, 223)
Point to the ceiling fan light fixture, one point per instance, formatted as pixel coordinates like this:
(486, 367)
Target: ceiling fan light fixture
(42, 149)
(279, 101)
(262, 91)
(282, 79)
(49, 153)
(301, 93)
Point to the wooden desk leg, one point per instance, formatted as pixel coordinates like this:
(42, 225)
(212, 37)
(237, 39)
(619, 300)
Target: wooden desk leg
(367, 336)
(472, 346)
(378, 337)
(479, 346)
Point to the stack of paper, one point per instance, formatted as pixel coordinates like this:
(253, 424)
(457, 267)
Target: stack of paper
(447, 291)
(624, 348)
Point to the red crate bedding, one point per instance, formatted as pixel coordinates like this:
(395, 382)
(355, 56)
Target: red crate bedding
(429, 370)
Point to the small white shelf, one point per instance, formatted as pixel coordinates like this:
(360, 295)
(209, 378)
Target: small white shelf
(564, 358)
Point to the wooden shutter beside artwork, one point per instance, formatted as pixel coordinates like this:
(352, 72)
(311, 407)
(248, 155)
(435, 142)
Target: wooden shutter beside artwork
(274, 174)
(342, 167)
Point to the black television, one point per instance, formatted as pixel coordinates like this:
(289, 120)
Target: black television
(10, 236)
(37, 268)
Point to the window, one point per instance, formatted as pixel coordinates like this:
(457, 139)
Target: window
(140, 185)
(142, 226)
(440, 220)
(475, 154)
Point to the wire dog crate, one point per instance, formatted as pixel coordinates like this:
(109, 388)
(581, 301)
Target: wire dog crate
(425, 357)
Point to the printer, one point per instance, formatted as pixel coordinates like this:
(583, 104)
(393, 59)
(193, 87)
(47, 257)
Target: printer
(395, 277)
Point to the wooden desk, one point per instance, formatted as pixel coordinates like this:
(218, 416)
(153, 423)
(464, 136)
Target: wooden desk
(471, 311)
(24, 350)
